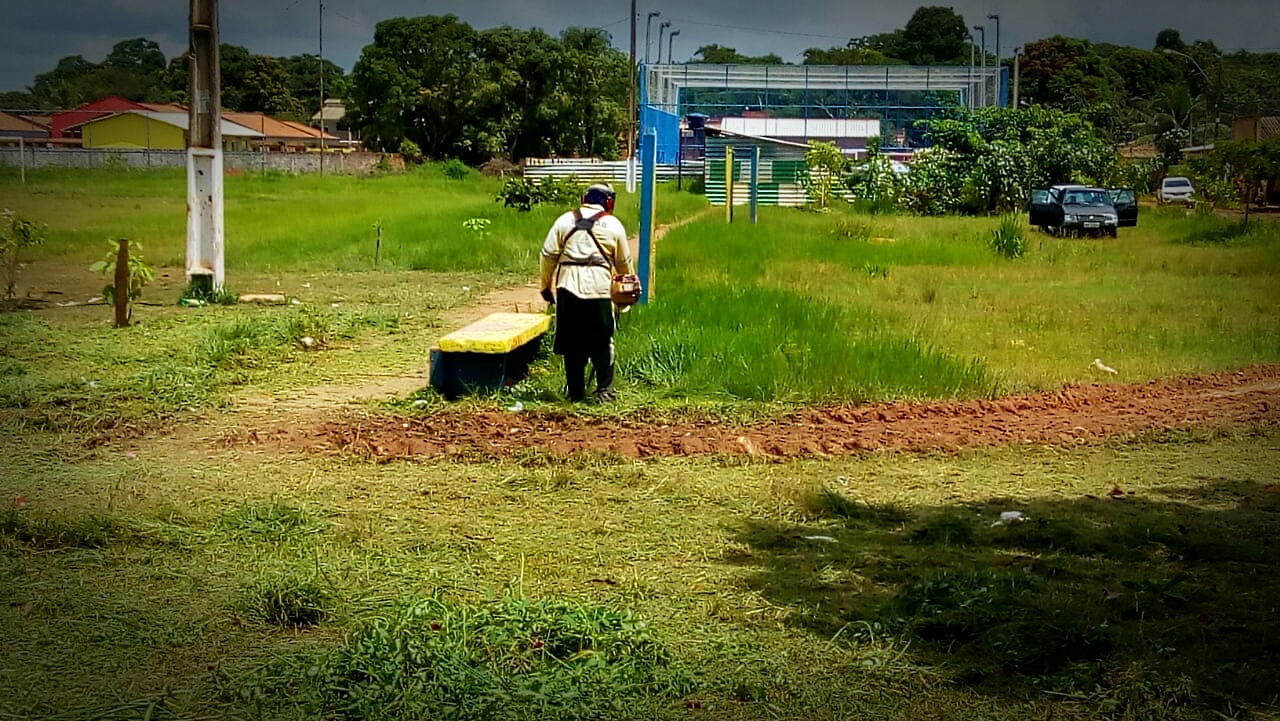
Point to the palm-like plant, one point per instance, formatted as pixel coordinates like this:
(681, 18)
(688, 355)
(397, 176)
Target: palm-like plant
(1169, 121)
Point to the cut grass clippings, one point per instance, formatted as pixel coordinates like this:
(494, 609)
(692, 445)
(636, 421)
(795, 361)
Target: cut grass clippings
(1136, 585)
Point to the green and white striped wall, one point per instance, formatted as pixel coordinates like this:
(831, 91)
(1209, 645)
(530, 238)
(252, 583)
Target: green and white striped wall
(781, 167)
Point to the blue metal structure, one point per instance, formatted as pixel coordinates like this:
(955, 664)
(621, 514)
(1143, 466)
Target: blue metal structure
(648, 162)
(897, 95)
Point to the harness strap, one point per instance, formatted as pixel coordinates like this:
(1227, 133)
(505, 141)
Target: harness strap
(586, 225)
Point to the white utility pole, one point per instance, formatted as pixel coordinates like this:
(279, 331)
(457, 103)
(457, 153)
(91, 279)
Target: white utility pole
(1017, 54)
(648, 23)
(997, 19)
(321, 87)
(982, 32)
(972, 59)
(631, 119)
(204, 262)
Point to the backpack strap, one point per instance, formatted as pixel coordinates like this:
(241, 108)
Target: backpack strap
(585, 225)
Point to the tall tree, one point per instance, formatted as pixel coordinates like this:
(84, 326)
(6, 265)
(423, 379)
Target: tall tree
(722, 55)
(266, 90)
(933, 36)
(62, 87)
(303, 73)
(139, 55)
(418, 81)
(1063, 72)
(847, 55)
(597, 78)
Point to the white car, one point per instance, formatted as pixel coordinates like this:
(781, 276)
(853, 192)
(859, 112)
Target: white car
(1175, 189)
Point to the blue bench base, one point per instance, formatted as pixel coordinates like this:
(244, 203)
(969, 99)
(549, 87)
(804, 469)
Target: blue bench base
(455, 373)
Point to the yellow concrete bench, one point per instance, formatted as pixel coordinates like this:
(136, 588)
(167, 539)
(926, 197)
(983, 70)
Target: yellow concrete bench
(489, 354)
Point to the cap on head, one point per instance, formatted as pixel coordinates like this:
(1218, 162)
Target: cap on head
(599, 194)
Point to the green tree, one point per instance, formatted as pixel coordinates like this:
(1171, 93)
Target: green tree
(302, 74)
(596, 81)
(1170, 39)
(1064, 73)
(1143, 72)
(266, 90)
(934, 36)
(722, 55)
(847, 55)
(418, 80)
(139, 55)
(63, 86)
(1170, 122)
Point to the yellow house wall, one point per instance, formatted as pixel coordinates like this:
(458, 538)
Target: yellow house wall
(132, 131)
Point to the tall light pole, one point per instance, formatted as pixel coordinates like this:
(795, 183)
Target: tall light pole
(670, 39)
(996, 18)
(321, 61)
(648, 24)
(1017, 55)
(631, 117)
(972, 57)
(662, 29)
(983, 80)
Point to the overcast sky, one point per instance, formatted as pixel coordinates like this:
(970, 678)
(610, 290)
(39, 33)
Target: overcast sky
(34, 35)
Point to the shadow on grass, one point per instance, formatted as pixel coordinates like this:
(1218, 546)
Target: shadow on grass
(1066, 599)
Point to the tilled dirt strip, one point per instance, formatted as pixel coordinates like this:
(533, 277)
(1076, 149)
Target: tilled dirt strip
(1071, 415)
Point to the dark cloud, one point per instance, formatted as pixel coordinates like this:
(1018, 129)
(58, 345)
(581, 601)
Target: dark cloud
(34, 36)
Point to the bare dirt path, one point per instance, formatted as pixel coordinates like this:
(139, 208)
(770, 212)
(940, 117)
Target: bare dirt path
(1075, 414)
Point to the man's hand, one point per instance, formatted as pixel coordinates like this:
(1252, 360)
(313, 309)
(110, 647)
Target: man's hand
(548, 296)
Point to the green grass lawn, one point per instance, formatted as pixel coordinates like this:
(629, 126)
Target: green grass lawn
(234, 583)
(172, 575)
(281, 223)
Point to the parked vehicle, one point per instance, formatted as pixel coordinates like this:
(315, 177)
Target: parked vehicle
(1175, 189)
(1083, 210)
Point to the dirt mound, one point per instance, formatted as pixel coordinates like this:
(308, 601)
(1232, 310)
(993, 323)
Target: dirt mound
(1074, 414)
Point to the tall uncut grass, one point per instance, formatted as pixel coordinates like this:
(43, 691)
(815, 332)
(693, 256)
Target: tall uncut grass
(757, 313)
(832, 307)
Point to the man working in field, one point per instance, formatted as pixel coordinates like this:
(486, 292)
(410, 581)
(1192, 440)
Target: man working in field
(584, 249)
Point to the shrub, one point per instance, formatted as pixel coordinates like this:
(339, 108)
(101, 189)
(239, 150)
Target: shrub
(16, 234)
(524, 193)
(455, 169)
(824, 167)
(1007, 240)
(410, 151)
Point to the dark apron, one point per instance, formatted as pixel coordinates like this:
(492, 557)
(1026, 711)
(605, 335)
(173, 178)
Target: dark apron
(584, 326)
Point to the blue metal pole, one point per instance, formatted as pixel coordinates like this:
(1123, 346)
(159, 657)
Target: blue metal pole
(755, 181)
(649, 162)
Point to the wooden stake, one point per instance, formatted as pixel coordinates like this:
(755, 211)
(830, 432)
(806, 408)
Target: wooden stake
(122, 284)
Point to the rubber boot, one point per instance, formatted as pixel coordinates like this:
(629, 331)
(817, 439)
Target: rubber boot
(575, 368)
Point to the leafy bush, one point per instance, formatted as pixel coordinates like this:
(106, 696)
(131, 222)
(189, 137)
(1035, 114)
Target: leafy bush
(989, 160)
(875, 182)
(455, 169)
(1007, 240)
(512, 659)
(410, 151)
(524, 193)
(824, 167)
